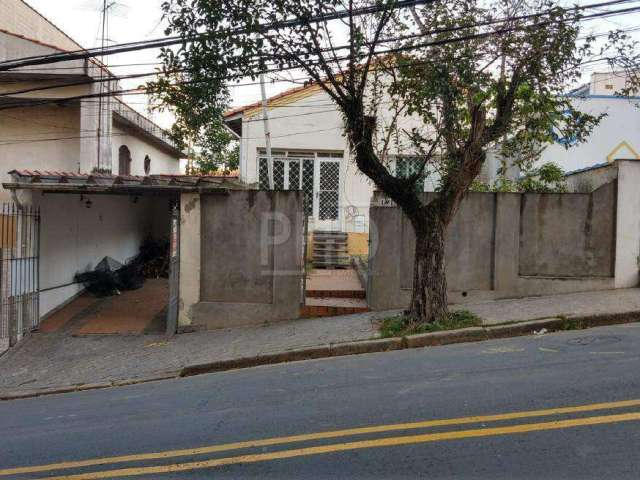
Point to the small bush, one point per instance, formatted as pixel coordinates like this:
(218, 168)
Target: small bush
(401, 325)
(572, 324)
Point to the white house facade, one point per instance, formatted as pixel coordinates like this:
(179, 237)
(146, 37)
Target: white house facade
(312, 154)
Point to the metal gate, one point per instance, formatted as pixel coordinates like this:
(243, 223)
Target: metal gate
(19, 274)
(174, 272)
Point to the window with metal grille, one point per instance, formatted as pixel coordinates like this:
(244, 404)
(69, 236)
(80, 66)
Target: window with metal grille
(408, 166)
(307, 186)
(263, 174)
(329, 188)
(294, 175)
(278, 174)
(294, 170)
(286, 173)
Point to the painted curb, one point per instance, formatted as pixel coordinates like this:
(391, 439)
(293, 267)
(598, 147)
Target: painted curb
(465, 335)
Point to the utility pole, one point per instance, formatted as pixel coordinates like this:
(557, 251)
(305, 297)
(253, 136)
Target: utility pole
(267, 131)
(104, 39)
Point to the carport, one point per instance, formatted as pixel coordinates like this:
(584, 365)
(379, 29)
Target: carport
(87, 217)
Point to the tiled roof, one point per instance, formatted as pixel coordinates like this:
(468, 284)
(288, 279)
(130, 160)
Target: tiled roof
(72, 182)
(279, 96)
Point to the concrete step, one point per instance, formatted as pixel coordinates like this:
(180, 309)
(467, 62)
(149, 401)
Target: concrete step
(329, 232)
(330, 243)
(323, 265)
(336, 294)
(335, 258)
(329, 236)
(331, 307)
(331, 254)
(324, 242)
(330, 251)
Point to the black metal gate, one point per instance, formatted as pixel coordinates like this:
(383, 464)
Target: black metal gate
(174, 271)
(19, 272)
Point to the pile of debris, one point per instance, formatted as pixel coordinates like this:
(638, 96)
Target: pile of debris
(154, 257)
(111, 277)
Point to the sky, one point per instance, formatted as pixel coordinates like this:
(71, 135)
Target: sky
(130, 20)
(133, 20)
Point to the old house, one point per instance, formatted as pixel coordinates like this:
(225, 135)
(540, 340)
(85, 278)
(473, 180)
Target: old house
(58, 124)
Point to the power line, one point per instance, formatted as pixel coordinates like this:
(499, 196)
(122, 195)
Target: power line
(169, 41)
(316, 105)
(57, 139)
(385, 52)
(395, 50)
(159, 63)
(176, 40)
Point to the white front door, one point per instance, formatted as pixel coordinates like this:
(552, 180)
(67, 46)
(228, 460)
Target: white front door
(327, 194)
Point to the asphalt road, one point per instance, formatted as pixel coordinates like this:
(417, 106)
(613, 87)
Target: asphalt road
(563, 405)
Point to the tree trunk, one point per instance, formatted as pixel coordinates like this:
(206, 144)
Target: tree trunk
(429, 298)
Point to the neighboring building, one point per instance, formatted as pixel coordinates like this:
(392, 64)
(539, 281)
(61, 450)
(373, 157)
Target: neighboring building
(79, 136)
(616, 137)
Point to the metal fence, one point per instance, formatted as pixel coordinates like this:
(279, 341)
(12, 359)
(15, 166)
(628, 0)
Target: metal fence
(19, 272)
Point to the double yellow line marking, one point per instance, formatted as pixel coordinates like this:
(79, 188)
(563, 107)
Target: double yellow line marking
(339, 447)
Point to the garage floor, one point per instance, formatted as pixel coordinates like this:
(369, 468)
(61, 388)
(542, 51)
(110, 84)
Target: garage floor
(130, 313)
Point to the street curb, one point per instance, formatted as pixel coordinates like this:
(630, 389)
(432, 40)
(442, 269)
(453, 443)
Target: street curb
(464, 335)
(447, 337)
(83, 387)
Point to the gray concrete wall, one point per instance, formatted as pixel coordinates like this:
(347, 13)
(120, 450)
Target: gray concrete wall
(502, 245)
(568, 235)
(468, 249)
(588, 180)
(251, 259)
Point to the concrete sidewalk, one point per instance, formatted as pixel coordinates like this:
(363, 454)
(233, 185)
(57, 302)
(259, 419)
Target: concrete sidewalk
(48, 362)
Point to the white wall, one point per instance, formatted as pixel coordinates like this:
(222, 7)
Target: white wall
(622, 124)
(75, 238)
(314, 123)
(161, 162)
(607, 83)
(627, 225)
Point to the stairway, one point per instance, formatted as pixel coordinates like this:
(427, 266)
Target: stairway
(333, 292)
(330, 249)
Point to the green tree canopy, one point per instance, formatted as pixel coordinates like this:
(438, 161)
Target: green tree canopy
(477, 74)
